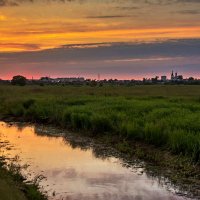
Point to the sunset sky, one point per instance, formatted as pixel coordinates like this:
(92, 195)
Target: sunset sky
(124, 39)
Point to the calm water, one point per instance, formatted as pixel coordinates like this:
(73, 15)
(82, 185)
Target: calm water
(74, 173)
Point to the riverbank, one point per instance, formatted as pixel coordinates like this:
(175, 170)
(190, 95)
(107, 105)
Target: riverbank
(159, 124)
(9, 189)
(12, 185)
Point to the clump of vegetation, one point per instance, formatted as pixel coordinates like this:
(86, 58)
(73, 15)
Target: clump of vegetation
(167, 117)
(19, 80)
(28, 103)
(13, 186)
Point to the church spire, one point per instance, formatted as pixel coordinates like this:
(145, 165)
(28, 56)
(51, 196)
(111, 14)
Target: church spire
(172, 75)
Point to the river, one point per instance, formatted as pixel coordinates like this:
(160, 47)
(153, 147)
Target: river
(76, 171)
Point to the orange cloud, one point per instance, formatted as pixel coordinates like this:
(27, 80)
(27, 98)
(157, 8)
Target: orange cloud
(38, 26)
(44, 39)
(3, 17)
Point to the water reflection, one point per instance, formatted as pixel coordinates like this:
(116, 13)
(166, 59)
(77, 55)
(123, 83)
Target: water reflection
(76, 169)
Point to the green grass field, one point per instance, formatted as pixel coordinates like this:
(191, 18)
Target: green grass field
(167, 117)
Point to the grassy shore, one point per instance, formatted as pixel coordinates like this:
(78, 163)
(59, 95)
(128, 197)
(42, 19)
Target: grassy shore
(164, 117)
(13, 187)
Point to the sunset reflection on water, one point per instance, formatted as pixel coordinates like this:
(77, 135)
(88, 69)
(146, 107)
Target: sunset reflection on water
(76, 174)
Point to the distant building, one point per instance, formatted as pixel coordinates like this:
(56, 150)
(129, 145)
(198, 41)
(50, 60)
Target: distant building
(62, 80)
(176, 77)
(69, 80)
(172, 76)
(46, 79)
(163, 78)
(155, 80)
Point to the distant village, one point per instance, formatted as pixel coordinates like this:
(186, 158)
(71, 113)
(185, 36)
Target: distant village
(174, 79)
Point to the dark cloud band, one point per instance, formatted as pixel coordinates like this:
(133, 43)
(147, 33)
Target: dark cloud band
(109, 51)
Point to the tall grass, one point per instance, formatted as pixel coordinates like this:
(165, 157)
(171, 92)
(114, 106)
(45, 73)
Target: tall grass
(167, 117)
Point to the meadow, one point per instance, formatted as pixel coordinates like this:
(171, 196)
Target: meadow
(165, 116)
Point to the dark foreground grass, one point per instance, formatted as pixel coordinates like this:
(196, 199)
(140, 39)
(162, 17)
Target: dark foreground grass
(165, 116)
